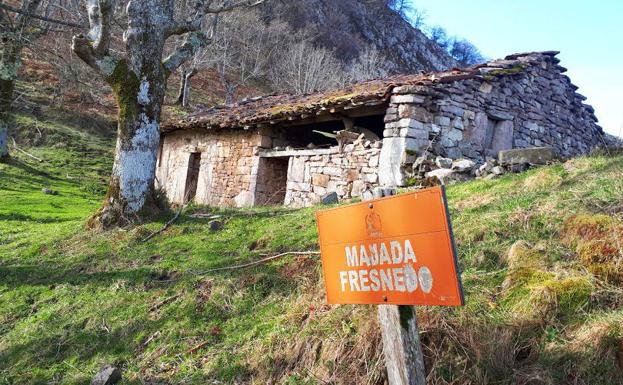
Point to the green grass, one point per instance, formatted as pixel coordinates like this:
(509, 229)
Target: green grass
(72, 301)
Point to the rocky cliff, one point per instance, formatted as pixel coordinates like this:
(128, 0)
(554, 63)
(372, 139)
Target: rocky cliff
(351, 26)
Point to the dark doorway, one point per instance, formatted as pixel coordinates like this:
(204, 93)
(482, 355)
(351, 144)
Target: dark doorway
(499, 136)
(192, 176)
(272, 180)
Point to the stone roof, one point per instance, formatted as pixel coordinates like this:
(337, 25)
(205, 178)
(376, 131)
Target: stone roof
(273, 109)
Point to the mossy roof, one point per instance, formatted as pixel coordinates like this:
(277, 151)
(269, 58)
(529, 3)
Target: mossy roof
(273, 109)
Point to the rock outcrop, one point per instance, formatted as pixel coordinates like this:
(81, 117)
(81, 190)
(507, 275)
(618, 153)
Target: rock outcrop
(352, 26)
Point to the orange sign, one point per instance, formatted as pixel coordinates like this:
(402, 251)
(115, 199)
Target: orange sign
(395, 250)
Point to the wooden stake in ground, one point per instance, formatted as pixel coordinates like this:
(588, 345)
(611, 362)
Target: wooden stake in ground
(401, 345)
(402, 348)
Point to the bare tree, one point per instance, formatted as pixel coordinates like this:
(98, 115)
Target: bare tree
(138, 81)
(15, 33)
(465, 52)
(241, 52)
(462, 50)
(439, 35)
(302, 68)
(369, 65)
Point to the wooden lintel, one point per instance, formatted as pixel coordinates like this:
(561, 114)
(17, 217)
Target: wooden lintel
(287, 153)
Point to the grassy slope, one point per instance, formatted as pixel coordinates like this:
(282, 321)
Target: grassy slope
(72, 301)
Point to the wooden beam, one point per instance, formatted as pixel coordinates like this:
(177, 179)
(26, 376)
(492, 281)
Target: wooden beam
(326, 116)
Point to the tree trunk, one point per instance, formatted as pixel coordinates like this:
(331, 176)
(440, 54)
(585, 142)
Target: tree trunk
(183, 95)
(9, 65)
(186, 95)
(230, 92)
(138, 84)
(6, 97)
(182, 88)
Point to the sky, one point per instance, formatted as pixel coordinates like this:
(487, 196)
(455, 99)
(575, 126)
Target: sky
(588, 34)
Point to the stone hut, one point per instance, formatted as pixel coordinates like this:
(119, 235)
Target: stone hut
(292, 150)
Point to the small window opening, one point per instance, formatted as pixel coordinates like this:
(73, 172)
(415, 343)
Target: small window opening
(192, 176)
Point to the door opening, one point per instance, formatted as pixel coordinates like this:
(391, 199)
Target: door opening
(192, 176)
(272, 181)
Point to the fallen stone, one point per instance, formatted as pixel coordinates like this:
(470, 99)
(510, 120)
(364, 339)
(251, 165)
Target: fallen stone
(484, 169)
(330, 198)
(215, 225)
(380, 192)
(109, 375)
(517, 254)
(444, 175)
(48, 191)
(422, 164)
(534, 155)
(463, 165)
(497, 170)
(518, 167)
(442, 162)
(367, 195)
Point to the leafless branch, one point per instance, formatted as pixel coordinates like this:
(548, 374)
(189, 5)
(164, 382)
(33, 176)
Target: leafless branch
(260, 261)
(100, 17)
(93, 49)
(166, 225)
(230, 6)
(24, 152)
(192, 43)
(42, 18)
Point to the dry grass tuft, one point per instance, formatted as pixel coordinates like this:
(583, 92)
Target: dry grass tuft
(543, 179)
(475, 201)
(598, 240)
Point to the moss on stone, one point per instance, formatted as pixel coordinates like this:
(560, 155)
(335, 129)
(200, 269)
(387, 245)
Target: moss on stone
(517, 69)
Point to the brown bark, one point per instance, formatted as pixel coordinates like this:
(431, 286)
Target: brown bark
(6, 118)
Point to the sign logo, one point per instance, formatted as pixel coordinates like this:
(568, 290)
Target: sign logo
(373, 225)
(404, 254)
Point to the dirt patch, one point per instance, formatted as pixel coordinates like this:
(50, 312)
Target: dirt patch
(204, 292)
(303, 266)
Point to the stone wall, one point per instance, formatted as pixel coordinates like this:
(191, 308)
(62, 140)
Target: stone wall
(228, 166)
(519, 102)
(348, 173)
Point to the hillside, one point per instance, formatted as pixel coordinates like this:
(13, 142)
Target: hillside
(348, 27)
(544, 311)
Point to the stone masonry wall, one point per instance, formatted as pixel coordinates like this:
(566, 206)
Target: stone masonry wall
(348, 173)
(227, 171)
(519, 102)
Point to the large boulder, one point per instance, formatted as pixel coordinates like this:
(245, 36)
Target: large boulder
(534, 155)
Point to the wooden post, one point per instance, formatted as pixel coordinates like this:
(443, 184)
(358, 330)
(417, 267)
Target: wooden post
(401, 345)
(402, 348)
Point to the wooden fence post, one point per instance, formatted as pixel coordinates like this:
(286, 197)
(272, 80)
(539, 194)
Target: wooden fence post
(402, 348)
